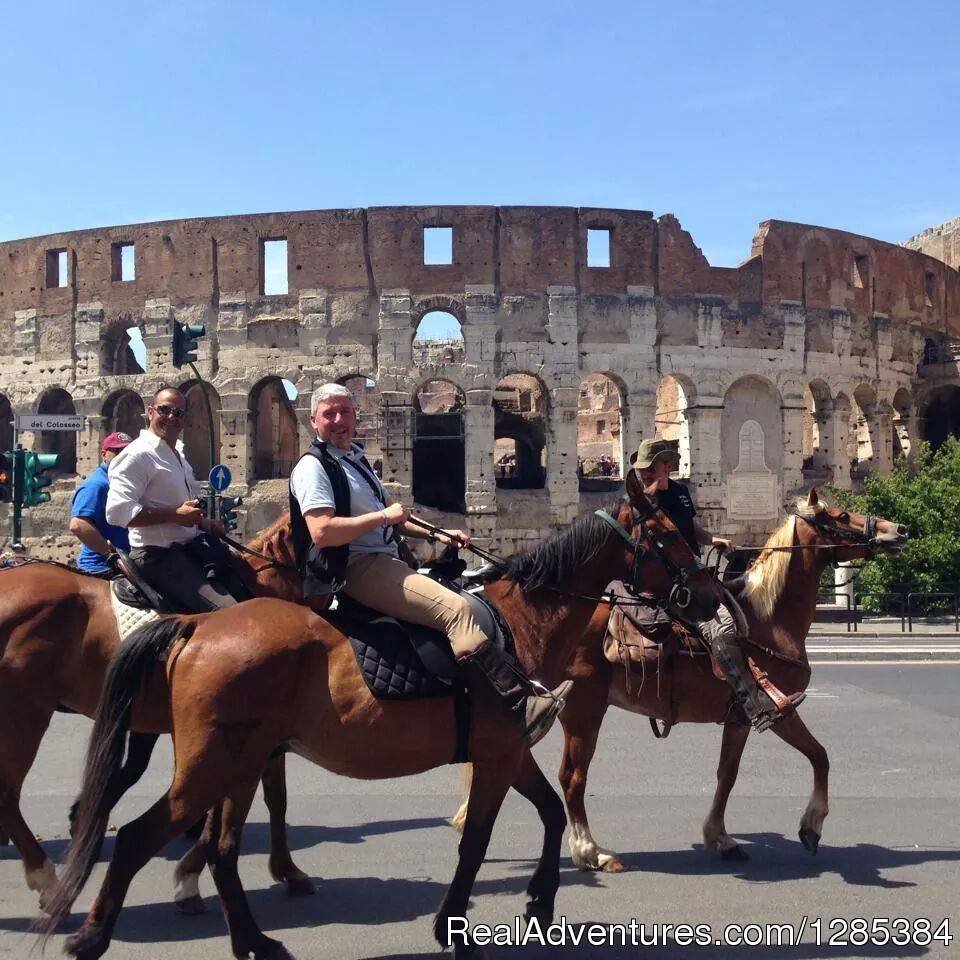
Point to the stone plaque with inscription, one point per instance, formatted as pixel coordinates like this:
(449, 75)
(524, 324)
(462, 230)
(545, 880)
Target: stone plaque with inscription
(751, 496)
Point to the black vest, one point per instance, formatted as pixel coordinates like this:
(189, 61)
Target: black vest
(323, 569)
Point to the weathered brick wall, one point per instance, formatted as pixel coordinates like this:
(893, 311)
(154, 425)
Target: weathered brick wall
(809, 303)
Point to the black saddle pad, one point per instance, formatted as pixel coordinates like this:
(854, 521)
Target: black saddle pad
(399, 661)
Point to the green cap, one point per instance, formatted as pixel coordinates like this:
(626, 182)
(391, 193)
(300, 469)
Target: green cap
(651, 451)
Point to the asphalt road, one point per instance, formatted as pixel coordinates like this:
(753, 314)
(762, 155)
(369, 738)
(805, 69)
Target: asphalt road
(383, 854)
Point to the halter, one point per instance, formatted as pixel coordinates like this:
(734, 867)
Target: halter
(858, 538)
(680, 596)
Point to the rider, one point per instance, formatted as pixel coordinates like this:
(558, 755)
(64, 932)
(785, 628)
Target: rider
(654, 461)
(88, 513)
(153, 493)
(344, 528)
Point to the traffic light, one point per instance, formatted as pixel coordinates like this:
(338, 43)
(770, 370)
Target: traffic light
(35, 466)
(227, 507)
(185, 336)
(6, 477)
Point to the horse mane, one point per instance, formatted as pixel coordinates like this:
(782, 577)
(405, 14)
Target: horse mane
(272, 540)
(768, 573)
(558, 559)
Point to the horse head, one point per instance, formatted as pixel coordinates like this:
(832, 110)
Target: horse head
(661, 560)
(854, 535)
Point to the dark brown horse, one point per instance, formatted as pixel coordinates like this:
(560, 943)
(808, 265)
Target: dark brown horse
(245, 680)
(58, 634)
(779, 602)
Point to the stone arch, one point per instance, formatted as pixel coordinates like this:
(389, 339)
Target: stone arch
(367, 401)
(439, 449)
(276, 444)
(902, 423)
(752, 398)
(438, 304)
(123, 412)
(196, 427)
(520, 414)
(600, 432)
(116, 354)
(6, 424)
(676, 394)
(438, 334)
(817, 430)
(62, 443)
(940, 415)
(864, 426)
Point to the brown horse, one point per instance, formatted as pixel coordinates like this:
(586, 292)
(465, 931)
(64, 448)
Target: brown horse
(779, 602)
(266, 673)
(58, 634)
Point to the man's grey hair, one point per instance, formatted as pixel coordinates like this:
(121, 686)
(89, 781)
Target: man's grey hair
(327, 392)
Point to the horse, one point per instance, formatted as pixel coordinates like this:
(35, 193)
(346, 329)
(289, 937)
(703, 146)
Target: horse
(246, 680)
(58, 634)
(779, 602)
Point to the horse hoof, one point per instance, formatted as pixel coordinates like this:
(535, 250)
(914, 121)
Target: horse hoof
(810, 839)
(539, 910)
(85, 944)
(736, 854)
(611, 863)
(300, 887)
(468, 951)
(192, 905)
(270, 950)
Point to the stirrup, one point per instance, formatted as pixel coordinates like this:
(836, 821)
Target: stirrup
(764, 721)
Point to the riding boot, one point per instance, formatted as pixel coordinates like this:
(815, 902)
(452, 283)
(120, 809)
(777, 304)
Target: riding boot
(760, 708)
(532, 712)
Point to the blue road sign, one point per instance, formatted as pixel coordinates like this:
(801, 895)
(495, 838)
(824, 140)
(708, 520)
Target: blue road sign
(220, 477)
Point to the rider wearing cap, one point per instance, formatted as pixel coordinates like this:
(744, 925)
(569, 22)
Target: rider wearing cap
(153, 493)
(344, 528)
(654, 461)
(88, 513)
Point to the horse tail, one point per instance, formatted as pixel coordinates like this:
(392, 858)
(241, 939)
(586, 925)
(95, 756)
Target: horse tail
(126, 676)
(459, 819)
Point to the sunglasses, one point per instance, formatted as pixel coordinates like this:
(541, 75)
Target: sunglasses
(168, 410)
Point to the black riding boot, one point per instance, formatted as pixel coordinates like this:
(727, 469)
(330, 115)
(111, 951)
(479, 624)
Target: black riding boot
(532, 712)
(759, 707)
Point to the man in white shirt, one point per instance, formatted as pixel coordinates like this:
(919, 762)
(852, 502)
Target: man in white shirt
(153, 493)
(343, 525)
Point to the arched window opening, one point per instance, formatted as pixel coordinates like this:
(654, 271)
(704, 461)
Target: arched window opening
(670, 420)
(438, 340)
(941, 416)
(900, 424)
(366, 400)
(62, 443)
(122, 350)
(439, 469)
(196, 428)
(276, 442)
(123, 412)
(599, 434)
(520, 433)
(6, 424)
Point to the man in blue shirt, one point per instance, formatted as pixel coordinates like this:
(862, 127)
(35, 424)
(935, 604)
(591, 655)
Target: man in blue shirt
(88, 514)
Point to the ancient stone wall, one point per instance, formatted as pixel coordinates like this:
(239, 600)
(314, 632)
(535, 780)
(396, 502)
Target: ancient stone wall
(783, 369)
(942, 242)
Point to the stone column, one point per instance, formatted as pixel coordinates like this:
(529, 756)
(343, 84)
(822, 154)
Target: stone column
(236, 437)
(90, 438)
(314, 326)
(88, 327)
(562, 482)
(709, 321)
(794, 329)
(839, 461)
(395, 343)
(881, 433)
(703, 421)
(26, 341)
(824, 454)
(792, 412)
(841, 332)
(478, 425)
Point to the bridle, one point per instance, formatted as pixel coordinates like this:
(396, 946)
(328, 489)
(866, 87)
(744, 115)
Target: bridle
(680, 595)
(857, 538)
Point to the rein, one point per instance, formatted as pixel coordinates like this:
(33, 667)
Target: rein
(255, 553)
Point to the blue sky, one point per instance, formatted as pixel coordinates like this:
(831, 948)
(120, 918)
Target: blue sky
(726, 114)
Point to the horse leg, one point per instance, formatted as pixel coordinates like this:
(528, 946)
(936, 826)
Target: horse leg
(186, 875)
(17, 754)
(139, 750)
(715, 836)
(136, 843)
(282, 867)
(545, 881)
(225, 827)
(489, 786)
(580, 741)
(791, 729)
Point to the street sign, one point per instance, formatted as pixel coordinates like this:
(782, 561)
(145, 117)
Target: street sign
(220, 477)
(64, 422)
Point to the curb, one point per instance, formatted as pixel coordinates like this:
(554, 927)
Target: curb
(839, 653)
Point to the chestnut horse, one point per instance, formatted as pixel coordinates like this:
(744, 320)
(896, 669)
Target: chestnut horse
(58, 634)
(267, 673)
(779, 603)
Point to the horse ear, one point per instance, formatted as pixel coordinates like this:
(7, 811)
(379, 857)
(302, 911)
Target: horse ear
(637, 493)
(812, 498)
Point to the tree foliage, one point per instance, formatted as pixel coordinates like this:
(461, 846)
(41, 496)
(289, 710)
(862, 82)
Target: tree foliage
(922, 492)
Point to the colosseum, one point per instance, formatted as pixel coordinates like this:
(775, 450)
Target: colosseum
(571, 335)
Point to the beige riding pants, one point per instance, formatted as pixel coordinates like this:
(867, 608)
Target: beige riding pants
(390, 586)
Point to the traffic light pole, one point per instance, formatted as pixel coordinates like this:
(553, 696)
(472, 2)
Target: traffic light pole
(211, 496)
(18, 472)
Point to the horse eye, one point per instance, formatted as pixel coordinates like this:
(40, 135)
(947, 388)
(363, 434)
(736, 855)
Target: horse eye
(844, 517)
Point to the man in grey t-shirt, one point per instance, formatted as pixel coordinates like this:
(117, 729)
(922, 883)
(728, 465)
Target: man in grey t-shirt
(376, 577)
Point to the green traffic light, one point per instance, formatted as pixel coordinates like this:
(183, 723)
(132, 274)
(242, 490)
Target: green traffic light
(184, 348)
(34, 478)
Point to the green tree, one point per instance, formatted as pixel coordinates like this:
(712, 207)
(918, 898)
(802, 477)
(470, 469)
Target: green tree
(922, 492)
